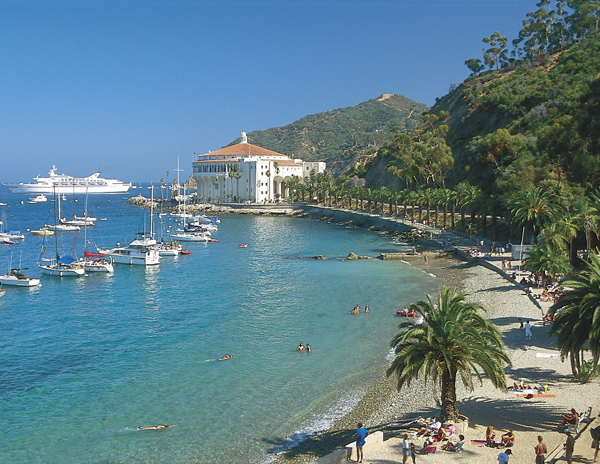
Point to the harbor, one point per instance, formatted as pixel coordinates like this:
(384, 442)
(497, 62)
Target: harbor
(92, 358)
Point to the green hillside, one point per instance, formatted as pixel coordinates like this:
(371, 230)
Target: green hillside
(340, 137)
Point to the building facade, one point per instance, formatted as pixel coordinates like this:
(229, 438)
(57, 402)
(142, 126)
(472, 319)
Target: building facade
(246, 172)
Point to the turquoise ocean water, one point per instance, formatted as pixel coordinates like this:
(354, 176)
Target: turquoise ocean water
(85, 361)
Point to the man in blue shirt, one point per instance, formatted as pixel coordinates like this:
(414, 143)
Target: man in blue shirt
(361, 436)
(503, 457)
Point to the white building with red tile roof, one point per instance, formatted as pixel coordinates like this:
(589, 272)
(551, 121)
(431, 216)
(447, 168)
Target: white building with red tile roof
(246, 172)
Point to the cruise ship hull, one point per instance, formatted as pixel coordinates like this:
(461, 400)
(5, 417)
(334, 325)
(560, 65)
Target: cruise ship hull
(67, 188)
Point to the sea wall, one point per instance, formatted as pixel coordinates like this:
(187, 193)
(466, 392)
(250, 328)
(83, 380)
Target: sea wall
(348, 452)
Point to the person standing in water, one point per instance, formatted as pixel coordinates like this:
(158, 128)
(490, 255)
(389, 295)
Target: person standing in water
(308, 350)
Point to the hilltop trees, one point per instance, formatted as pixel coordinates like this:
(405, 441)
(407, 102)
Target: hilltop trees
(545, 30)
(422, 156)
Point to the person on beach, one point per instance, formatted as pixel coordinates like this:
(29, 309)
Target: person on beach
(508, 439)
(528, 333)
(570, 418)
(361, 439)
(454, 446)
(300, 347)
(413, 452)
(405, 449)
(521, 327)
(504, 457)
(540, 451)
(490, 436)
(569, 445)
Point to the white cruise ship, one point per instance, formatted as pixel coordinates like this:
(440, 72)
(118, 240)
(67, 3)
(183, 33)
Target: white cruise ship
(69, 184)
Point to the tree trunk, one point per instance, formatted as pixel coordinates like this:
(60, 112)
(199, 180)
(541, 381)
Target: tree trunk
(449, 409)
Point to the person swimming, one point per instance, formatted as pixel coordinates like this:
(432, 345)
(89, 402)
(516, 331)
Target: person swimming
(227, 356)
(155, 427)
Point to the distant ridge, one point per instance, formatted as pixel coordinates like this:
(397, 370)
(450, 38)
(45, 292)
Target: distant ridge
(341, 137)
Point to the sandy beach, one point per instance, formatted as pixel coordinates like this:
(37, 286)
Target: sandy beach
(535, 362)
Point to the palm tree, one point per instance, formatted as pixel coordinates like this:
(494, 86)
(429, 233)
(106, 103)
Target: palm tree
(570, 228)
(453, 341)
(577, 319)
(544, 258)
(444, 197)
(533, 207)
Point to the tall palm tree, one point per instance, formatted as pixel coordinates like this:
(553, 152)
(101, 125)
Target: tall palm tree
(453, 341)
(534, 207)
(577, 318)
(444, 197)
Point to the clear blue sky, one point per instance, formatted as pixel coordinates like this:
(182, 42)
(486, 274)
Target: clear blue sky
(126, 86)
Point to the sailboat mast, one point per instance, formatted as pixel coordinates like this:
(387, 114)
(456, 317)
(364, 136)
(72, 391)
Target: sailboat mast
(56, 198)
(152, 210)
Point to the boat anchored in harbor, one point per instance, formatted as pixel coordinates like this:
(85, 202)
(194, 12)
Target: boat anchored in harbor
(63, 183)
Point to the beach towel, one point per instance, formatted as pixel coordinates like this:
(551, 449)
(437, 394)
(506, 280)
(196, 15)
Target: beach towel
(478, 442)
(531, 395)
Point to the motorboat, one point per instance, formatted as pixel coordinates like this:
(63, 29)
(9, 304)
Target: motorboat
(38, 199)
(169, 248)
(62, 183)
(42, 231)
(16, 279)
(2, 292)
(191, 237)
(142, 251)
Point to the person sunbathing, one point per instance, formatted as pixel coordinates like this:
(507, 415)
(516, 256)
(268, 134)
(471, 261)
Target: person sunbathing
(508, 439)
(431, 428)
(452, 445)
(447, 432)
(570, 418)
(490, 436)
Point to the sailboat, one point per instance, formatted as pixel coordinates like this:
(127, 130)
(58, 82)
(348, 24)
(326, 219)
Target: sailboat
(143, 250)
(65, 266)
(94, 262)
(8, 236)
(195, 236)
(58, 225)
(15, 278)
(166, 248)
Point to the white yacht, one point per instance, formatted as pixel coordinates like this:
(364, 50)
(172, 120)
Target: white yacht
(38, 199)
(142, 251)
(63, 183)
(15, 278)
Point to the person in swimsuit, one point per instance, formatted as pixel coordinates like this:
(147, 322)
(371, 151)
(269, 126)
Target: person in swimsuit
(156, 427)
(300, 347)
(308, 350)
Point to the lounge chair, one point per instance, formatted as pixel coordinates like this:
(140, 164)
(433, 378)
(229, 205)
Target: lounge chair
(583, 418)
